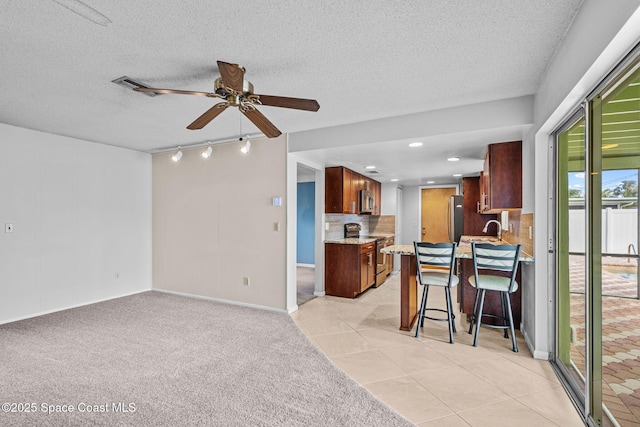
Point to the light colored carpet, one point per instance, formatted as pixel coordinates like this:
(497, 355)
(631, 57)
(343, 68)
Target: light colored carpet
(176, 361)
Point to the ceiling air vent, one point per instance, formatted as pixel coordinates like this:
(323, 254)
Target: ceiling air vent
(373, 172)
(132, 84)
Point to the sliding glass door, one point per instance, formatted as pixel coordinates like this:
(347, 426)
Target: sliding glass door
(598, 310)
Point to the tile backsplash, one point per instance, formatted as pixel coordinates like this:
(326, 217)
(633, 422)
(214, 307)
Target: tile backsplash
(385, 224)
(519, 230)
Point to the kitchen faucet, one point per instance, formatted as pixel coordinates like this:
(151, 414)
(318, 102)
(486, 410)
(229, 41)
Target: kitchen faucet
(486, 226)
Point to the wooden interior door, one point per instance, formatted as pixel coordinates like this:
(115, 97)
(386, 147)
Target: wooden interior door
(434, 211)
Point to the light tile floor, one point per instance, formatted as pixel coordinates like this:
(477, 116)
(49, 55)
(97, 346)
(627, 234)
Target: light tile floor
(428, 380)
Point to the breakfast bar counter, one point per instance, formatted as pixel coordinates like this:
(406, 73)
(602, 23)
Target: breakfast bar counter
(408, 284)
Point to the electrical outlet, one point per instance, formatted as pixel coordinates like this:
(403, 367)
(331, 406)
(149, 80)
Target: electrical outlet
(117, 275)
(276, 226)
(247, 281)
(8, 228)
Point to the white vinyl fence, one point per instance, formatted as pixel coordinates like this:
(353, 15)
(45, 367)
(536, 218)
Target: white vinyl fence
(619, 230)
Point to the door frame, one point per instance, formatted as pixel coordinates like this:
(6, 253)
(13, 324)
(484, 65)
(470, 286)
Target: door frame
(590, 404)
(458, 188)
(291, 205)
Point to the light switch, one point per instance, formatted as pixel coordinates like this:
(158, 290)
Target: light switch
(8, 228)
(277, 201)
(276, 226)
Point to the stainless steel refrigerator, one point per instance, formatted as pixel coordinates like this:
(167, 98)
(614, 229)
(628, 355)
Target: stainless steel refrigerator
(455, 218)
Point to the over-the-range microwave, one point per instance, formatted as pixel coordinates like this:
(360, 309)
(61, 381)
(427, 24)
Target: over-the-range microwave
(367, 202)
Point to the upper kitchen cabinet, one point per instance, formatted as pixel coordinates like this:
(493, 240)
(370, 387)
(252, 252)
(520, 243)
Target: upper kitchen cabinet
(501, 178)
(343, 192)
(376, 189)
(474, 221)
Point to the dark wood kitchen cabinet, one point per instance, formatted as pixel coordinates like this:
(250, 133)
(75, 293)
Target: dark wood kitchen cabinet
(501, 178)
(349, 269)
(376, 189)
(342, 190)
(473, 221)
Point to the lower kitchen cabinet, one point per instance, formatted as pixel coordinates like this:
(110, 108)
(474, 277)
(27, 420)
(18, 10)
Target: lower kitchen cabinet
(349, 269)
(467, 295)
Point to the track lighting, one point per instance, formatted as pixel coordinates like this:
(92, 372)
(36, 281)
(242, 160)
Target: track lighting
(177, 156)
(207, 153)
(246, 147)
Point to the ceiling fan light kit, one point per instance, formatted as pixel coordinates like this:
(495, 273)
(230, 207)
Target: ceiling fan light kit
(238, 92)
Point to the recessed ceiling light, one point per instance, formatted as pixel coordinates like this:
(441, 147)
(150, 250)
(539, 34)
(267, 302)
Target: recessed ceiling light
(415, 144)
(431, 182)
(394, 180)
(453, 159)
(457, 174)
(370, 167)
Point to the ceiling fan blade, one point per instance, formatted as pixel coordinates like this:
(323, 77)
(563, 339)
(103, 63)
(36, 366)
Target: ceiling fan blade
(284, 102)
(176, 91)
(232, 75)
(208, 115)
(261, 122)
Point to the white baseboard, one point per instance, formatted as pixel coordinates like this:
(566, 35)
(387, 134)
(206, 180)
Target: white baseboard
(306, 265)
(69, 307)
(537, 354)
(242, 304)
(319, 293)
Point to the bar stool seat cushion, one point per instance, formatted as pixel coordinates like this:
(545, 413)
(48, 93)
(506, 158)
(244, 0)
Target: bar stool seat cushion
(493, 283)
(439, 279)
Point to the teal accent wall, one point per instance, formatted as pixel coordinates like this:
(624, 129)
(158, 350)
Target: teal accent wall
(306, 223)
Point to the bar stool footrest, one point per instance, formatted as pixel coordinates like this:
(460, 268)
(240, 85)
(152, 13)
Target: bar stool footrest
(453, 316)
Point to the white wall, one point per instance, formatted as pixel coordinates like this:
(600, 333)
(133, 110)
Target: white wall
(214, 223)
(388, 201)
(410, 214)
(82, 222)
(512, 113)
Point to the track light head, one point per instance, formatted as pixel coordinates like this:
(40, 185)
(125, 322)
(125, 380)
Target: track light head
(177, 156)
(207, 153)
(246, 147)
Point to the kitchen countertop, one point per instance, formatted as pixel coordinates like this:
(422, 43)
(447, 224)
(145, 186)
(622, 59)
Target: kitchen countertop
(362, 240)
(352, 240)
(464, 248)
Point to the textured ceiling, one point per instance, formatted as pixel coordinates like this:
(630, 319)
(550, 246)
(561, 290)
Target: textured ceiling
(360, 60)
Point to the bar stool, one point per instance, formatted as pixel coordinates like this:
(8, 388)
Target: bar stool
(500, 258)
(439, 259)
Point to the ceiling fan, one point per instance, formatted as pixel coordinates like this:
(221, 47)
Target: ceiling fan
(238, 92)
